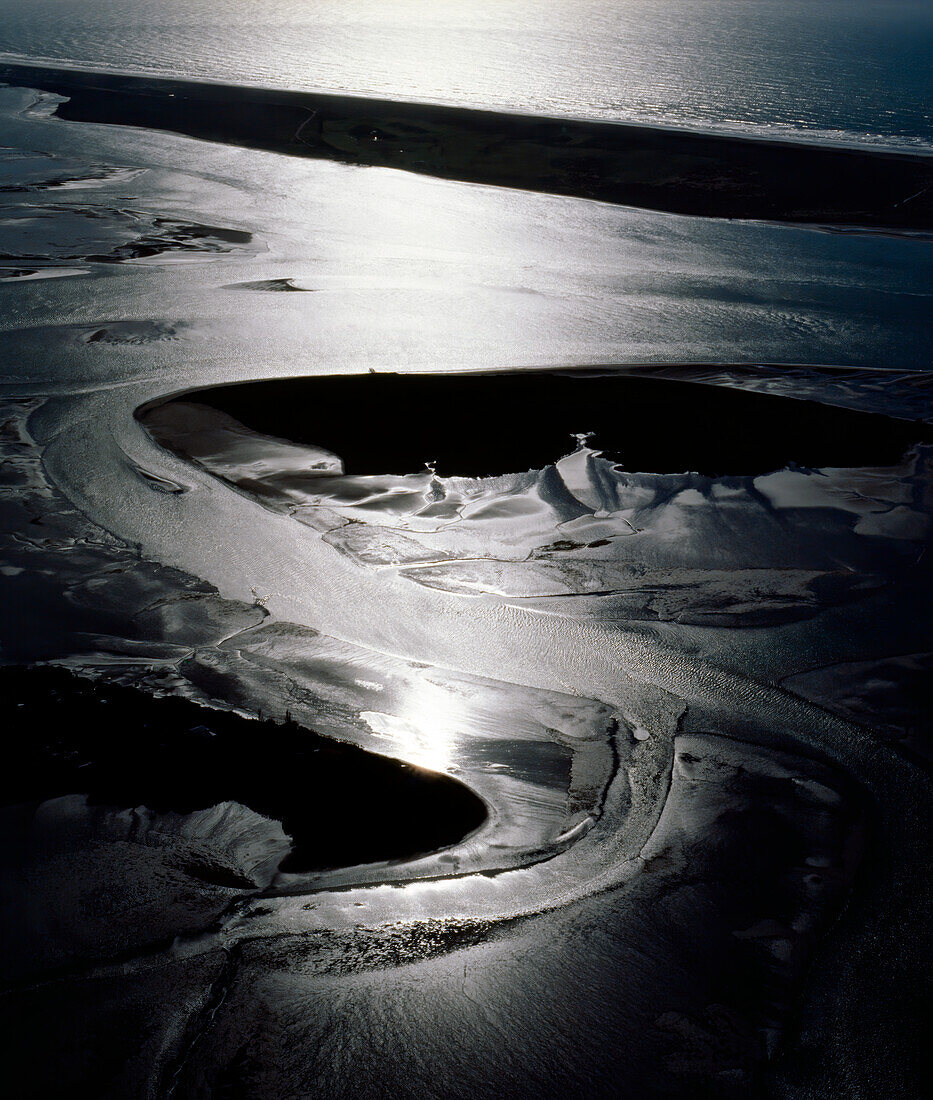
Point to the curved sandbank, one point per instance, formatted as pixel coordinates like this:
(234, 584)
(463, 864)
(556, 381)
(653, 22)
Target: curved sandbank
(484, 424)
(658, 169)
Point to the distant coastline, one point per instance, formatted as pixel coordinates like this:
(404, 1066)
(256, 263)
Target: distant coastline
(680, 172)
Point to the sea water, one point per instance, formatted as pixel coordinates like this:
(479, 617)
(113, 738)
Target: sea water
(841, 70)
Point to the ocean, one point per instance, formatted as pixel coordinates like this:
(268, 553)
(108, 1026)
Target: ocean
(836, 70)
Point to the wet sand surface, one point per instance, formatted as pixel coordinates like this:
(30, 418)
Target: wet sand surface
(682, 689)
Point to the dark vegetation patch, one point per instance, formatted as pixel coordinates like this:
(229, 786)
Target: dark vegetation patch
(658, 169)
(488, 424)
(122, 747)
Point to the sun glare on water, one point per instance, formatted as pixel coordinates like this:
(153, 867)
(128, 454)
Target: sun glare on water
(426, 727)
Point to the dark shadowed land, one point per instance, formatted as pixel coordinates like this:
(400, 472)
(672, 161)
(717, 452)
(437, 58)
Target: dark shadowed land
(669, 170)
(119, 746)
(485, 424)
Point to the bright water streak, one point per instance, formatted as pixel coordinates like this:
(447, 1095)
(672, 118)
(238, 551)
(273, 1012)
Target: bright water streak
(409, 271)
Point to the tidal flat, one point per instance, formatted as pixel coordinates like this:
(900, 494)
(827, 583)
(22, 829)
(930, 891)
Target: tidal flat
(502, 617)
